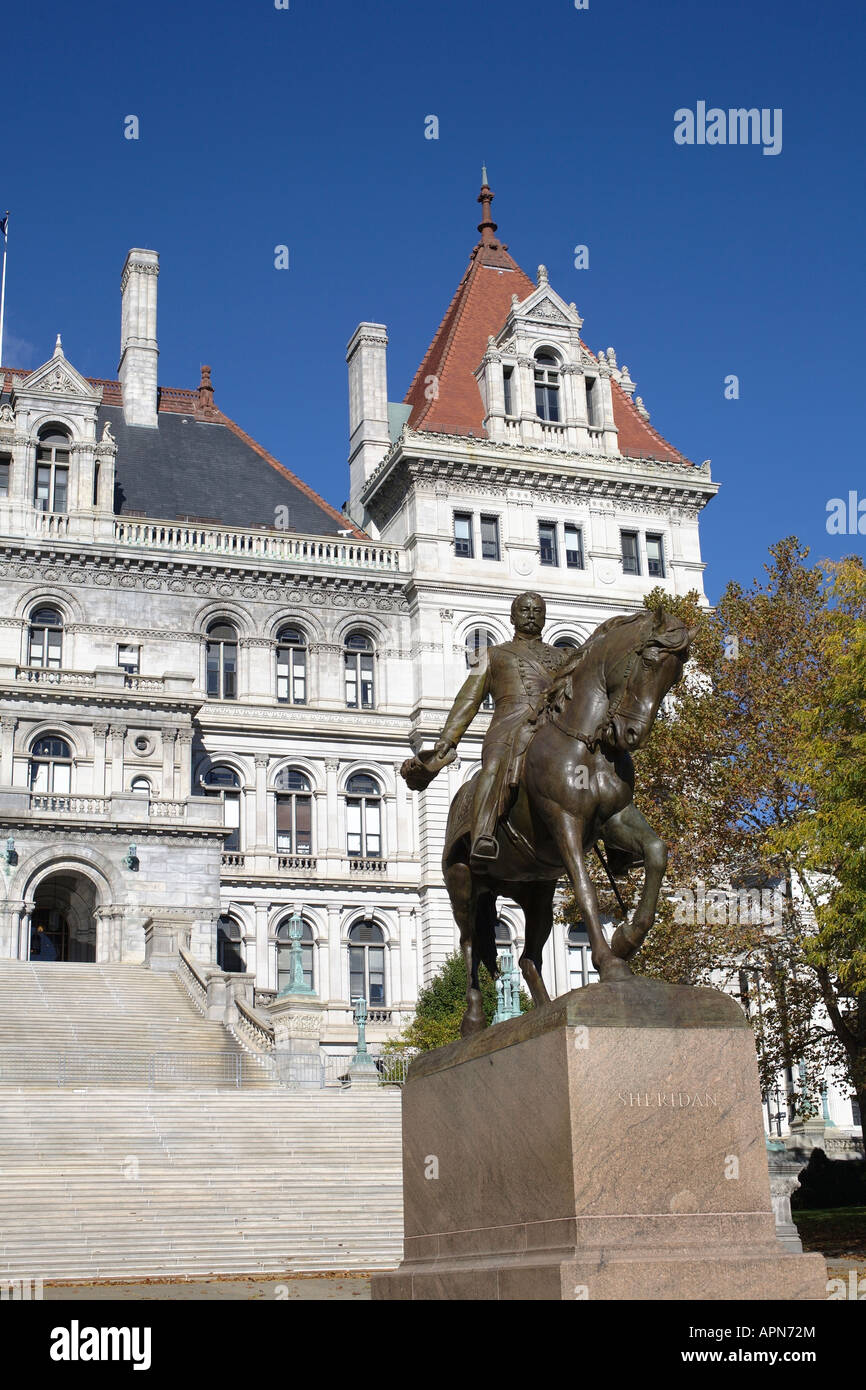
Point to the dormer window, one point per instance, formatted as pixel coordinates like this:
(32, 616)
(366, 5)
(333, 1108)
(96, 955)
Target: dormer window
(547, 386)
(51, 491)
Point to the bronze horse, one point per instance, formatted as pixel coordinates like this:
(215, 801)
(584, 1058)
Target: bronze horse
(576, 787)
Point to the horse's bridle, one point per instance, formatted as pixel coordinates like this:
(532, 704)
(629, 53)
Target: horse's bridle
(594, 739)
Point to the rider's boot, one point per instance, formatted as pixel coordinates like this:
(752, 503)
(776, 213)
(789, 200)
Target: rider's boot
(485, 849)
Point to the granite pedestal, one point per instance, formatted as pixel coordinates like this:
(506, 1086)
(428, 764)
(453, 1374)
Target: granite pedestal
(609, 1145)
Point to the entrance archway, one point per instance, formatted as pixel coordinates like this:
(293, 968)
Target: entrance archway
(63, 921)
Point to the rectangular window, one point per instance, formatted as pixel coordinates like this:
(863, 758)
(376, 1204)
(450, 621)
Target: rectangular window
(574, 547)
(42, 496)
(303, 825)
(547, 543)
(284, 824)
(232, 842)
(357, 982)
(129, 658)
(376, 963)
(507, 373)
(463, 535)
(61, 489)
(490, 538)
(655, 557)
(630, 556)
(592, 411)
(353, 828)
(5, 469)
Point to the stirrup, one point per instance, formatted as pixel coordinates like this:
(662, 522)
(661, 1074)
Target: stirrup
(484, 849)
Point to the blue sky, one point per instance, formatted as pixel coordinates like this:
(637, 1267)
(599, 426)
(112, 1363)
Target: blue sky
(305, 127)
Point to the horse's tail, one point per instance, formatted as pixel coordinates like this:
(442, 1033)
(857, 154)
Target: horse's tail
(485, 932)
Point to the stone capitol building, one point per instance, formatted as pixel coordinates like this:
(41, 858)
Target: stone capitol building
(206, 694)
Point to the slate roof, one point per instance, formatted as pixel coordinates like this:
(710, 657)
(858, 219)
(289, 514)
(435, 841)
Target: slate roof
(199, 464)
(478, 309)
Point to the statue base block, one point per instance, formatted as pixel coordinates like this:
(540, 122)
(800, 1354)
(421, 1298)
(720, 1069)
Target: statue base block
(609, 1145)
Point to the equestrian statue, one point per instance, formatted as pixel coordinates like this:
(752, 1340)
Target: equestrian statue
(556, 777)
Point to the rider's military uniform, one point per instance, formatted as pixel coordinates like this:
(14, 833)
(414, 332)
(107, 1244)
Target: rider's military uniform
(518, 676)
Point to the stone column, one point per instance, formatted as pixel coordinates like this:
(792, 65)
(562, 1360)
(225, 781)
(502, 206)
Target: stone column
(261, 839)
(298, 1020)
(264, 967)
(28, 907)
(100, 733)
(169, 735)
(330, 843)
(118, 734)
(10, 917)
(183, 773)
(408, 966)
(446, 616)
(335, 972)
(8, 724)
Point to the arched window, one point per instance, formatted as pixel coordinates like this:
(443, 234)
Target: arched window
(284, 955)
(230, 944)
(580, 967)
(224, 779)
(141, 786)
(358, 668)
(292, 666)
(504, 939)
(477, 642)
(363, 817)
(566, 644)
(51, 488)
(367, 963)
(222, 661)
(45, 646)
(51, 765)
(546, 386)
(294, 812)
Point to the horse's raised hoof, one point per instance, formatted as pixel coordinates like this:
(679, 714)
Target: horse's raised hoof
(613, 970)
(624, 945)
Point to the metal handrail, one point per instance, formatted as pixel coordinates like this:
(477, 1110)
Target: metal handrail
(116, 1067)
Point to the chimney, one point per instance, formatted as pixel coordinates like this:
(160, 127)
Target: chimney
(369, 438)
(138, 347)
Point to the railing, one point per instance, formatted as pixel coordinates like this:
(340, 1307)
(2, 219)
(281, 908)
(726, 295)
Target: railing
(233, 542)
(173, 810)
(132, 681)
(596, 440)
(253, 1029)
(557, 433)
(368, 866)
(230, 860)
(111, 1067)
(51, 523)
(194, 983)
(295, 863)
(44, 675)
(70, 805)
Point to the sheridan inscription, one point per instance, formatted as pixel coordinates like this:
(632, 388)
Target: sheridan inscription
(667, 1100)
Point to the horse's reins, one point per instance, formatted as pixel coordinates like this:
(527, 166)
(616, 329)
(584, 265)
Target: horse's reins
(591, 740)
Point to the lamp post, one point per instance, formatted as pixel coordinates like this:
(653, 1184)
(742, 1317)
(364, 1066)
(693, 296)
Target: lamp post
(362, 1068)
(297, 984)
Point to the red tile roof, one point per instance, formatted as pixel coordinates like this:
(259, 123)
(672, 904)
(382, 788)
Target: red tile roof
(480, 306)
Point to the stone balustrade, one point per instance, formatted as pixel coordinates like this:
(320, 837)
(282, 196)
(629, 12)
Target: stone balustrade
(241, 543)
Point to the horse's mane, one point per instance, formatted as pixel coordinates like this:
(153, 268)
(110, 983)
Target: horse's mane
(672, 634)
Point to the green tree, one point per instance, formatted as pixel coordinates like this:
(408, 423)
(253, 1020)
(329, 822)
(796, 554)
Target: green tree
(440, 1008)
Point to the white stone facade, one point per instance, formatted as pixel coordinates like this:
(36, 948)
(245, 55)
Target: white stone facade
(142, 740)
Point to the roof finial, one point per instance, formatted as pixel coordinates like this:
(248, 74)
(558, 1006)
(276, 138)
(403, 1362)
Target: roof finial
(487, 227)
(58, 347)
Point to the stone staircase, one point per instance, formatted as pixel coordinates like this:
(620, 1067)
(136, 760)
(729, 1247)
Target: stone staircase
(107, 1021)
(109, 1179)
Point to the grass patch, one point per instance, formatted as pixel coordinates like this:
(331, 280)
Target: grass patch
(833, 1231)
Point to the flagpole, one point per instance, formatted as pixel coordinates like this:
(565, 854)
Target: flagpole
(3, 283)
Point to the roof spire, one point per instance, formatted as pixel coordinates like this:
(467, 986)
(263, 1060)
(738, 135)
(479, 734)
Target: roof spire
(487, 227)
